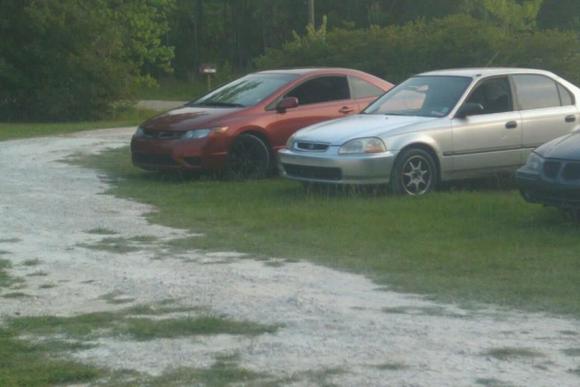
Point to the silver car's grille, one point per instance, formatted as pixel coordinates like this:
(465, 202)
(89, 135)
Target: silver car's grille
(311, 146)
(320, 173)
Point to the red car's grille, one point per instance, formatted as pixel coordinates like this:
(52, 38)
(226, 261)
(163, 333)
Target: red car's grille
(162, 134)
(152, 159)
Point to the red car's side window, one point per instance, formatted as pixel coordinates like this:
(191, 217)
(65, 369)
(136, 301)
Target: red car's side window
(322, 89)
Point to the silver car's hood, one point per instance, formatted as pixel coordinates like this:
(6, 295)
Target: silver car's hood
(337, 132)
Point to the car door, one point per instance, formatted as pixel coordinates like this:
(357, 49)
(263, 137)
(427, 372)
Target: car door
(547, 109)
(319, 99)
(492, 139)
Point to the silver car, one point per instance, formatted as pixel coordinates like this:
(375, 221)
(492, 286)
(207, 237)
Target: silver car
(437, 126)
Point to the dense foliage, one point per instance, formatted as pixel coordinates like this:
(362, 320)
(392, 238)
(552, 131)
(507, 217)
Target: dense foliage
(70, 59)
(395, 52)
(234, 32)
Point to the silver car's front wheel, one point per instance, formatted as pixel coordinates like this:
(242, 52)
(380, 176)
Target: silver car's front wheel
(414, 173)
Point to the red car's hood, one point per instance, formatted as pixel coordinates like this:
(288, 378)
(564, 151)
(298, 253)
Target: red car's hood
(187, 118)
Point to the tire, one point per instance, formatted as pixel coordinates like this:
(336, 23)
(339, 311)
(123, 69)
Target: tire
(248, 158)
(415, 173)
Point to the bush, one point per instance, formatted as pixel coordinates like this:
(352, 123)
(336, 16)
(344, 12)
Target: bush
(75, 59)
(396, 52)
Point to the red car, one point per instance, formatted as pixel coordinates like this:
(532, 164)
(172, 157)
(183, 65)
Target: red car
(238, 128)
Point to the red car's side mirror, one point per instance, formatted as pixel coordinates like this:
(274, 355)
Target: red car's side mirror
(286, 103)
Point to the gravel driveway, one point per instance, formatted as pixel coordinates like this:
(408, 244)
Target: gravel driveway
(331, 323)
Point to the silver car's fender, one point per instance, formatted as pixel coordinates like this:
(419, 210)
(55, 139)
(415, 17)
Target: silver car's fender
(434, 141)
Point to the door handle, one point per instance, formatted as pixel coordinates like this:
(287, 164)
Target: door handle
(345, 110)
(570, 118)
(511, 125)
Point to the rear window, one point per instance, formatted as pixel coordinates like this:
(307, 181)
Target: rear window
(536, 92)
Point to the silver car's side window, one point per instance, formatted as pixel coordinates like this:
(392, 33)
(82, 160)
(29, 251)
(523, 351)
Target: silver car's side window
(494, 95)
(536, 91)
(566, 98)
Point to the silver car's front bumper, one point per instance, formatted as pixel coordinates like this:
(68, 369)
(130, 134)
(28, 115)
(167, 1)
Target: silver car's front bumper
(330, 167)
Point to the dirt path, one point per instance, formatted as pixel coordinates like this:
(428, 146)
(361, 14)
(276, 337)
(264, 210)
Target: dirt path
(333, 324)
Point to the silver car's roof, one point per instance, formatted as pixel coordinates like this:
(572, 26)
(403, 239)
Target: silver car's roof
(486, 71)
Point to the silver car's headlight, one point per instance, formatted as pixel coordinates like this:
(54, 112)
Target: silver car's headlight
(140, 132)
(202, 133)
(363, 145)
(290, 142)
(534, 162)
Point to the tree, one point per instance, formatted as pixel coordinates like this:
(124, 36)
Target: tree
(74, 59)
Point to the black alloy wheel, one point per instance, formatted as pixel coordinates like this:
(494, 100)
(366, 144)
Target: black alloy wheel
(249, 158)
(414, 173)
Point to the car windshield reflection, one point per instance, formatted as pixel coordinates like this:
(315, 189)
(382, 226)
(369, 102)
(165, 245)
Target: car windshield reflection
(425, 96)
(247, 91)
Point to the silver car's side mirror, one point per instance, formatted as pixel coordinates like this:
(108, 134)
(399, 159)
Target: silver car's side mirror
(470, 109)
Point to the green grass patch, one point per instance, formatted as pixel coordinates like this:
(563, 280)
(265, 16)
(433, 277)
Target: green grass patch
(101, 231)
(16, 295)
(224, 372)
(14, 130)
(573, 352)
(34, 364)
(31, 262)
(6, 280)
(508, 353)
(117, 245)
(37, 274)
(492, 382)
(124, 323)
(459, 246)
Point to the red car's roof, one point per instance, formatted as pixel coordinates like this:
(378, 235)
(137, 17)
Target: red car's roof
(307, 70)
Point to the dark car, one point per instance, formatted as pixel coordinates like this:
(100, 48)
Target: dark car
(239, 127)
(552, 174)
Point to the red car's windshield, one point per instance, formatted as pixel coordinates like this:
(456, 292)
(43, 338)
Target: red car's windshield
(246, 91)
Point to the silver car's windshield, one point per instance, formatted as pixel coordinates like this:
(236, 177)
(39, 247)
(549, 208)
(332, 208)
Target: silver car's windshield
(246, 91)
(426, 96)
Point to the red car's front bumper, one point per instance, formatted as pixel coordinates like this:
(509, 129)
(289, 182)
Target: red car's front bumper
(167, 155)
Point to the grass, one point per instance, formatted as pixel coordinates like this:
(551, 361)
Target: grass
(16, 130)
(101, 231)
(224, 372)
(508, 353)
(7, 281)
(34, 364)
(117, 245)
(458, 246)
(41, 359)
(125, 323)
